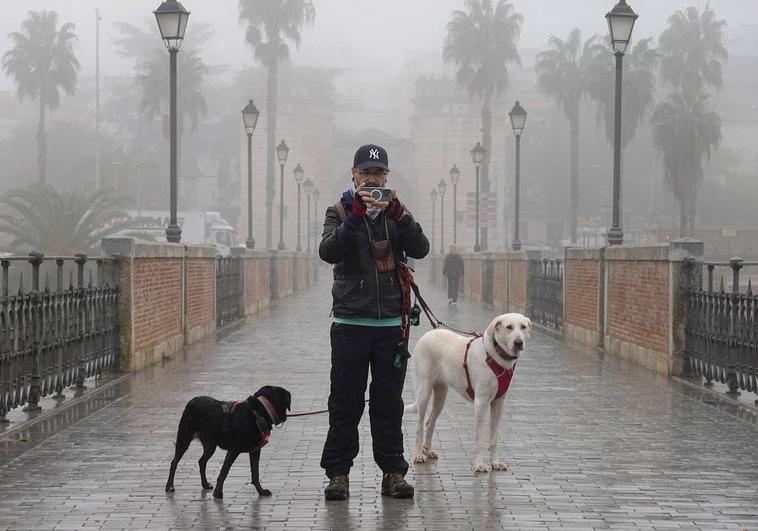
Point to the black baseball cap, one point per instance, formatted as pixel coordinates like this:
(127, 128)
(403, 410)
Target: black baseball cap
(370, 156)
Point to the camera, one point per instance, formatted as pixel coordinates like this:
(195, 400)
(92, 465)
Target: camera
(380, 194)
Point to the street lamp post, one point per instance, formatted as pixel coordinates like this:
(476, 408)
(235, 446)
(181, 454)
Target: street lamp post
(308, 187)
(172, 22)
(98, 18)
(316, 195)
(518, 120)
(249, 120)
(434, 208)
(620, 23)
(441, 188)
(281, 153)
(477, 157)
(455, 175)
(299, 172)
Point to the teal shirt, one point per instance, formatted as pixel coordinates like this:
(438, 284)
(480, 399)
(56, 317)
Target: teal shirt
(364, 321)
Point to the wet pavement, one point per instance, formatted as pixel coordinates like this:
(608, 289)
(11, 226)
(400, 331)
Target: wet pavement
(591, 444)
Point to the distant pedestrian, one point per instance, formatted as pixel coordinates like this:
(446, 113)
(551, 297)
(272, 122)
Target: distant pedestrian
(453, 270)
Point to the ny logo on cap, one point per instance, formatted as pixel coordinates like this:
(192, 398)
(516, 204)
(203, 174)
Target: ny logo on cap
(373, 154)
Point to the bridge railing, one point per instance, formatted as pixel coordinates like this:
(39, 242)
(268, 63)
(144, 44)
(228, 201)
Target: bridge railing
(546, 287)
(721, 336)
(52, 337)
(230, 292)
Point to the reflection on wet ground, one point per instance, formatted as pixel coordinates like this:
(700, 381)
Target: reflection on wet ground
(591, 442)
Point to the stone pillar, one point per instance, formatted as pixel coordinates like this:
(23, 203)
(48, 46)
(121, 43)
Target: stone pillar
(646, 300)
(584, 295)
(166, 298)
(519, 285)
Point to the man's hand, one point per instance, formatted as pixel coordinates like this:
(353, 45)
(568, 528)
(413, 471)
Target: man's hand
(395, 209)
(369, 201)
(359, 205)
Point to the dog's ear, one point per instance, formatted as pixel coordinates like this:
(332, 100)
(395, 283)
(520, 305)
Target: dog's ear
(528, 327)
(289, 400)
(498, 324)
(262, 391)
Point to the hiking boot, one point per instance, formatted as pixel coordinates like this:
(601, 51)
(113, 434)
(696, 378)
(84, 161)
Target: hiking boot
(338, 488)
(395, 486)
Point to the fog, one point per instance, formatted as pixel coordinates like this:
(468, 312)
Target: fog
(355, 79)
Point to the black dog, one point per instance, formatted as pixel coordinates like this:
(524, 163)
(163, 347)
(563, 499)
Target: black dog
(237, 427)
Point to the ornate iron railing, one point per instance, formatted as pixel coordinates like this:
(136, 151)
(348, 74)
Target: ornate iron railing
(547, 292)
(52, 338)
(721, 334)
(229, 289)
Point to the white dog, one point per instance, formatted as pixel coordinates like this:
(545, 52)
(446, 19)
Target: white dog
(438, 362)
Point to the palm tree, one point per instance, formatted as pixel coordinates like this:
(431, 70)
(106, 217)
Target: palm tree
(270, 23)
(639, 87)
(684, 129)
(482, 42)
(563, 72)
(141, 42)
(43, 219)
(41, 60)
(154, 81)
(685, 132)
(692, 50)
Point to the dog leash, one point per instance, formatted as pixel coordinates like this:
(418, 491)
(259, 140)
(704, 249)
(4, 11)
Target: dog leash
(436, 323)
(312, 412)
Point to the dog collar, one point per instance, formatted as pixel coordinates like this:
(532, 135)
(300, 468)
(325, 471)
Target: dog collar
(501, 351)
(269, 409)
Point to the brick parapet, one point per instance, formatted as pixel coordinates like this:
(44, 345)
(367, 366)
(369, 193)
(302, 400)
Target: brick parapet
(168, 293)
(632, 300)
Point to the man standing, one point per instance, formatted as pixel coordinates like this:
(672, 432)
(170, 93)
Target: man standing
(453, 270)
(365, 238)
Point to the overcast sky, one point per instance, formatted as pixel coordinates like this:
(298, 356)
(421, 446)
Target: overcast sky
(349, 32)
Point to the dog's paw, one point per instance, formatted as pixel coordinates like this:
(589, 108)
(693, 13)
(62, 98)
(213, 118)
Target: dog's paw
(264, 492)
(420, 458)
(499, 465)
(431, 454)
(481, 467)
(218, 494)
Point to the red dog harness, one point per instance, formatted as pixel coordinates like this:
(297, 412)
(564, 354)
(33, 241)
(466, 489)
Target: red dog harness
(265, 435)
(504, 376)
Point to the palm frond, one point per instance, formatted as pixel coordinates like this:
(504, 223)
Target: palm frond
(482, 41)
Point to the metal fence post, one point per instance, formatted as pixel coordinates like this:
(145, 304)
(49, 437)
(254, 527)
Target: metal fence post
(35, 391)
(4, 340)
(731, 374)
(711, 267)
(81, 260)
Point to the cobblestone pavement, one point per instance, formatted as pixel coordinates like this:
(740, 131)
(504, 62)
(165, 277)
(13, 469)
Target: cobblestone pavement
(591, 444)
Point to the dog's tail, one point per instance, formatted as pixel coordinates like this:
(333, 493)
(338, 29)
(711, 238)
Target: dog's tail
(411, 408)
(186, 430)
